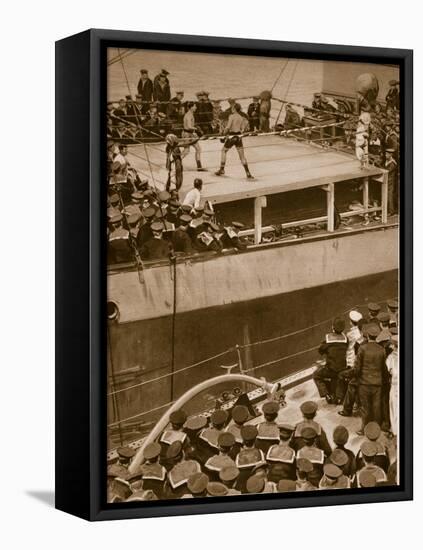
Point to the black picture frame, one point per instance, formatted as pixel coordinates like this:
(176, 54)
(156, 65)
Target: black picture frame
(81, 273)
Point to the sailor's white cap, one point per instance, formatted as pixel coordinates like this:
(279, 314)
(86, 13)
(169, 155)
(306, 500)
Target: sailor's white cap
(355, 316)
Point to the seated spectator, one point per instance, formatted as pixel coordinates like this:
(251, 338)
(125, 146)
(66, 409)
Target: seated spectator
(155, 248)
(208, 240)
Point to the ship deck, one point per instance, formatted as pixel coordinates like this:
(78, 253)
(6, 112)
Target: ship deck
(279, 164)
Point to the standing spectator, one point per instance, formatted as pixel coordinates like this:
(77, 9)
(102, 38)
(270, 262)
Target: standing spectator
(161, 93)
(292, 118)
(254, 114)
(334, 348)
(392, 167)
(145, 90)
(393, 370)
(392, 97)
(370, 367)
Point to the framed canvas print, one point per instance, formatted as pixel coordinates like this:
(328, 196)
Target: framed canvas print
(234, 274)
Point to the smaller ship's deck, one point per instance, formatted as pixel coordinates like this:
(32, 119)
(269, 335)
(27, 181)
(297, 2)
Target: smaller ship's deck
(279, 164)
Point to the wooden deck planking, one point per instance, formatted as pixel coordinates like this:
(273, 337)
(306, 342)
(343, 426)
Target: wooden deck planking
(278, 164)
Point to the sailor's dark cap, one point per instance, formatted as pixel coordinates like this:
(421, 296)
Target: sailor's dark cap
(164, 196)
(143, 71)
(286, 428)
(368, 449)
(240, 414)
(248, 432)
(270, 407)
(372, 330)
(372, 306)
(185, 218)
(186, 208)
(367, 479)
(174, 203)
(164, 72)
(216, 489)
(125, 452)
(372, 431)
(137, 195)
(384, 317)
(339, 457)
(304, 465)
(157, 226)
(340, 435)
(308, 433)
(199, 209)
(230, 473)
(128, 96)
(148, 213)
(239, 225)
(390, 150)
(392, 304)
(255, 484)
(219, 417)
(174, 450)
(133, 218)
(195, 423)
(152, 451)
(226, 440)
(179, 416)
(286, 486)
(115, 218)
(197, 483)
(332, 471)
(309, 407)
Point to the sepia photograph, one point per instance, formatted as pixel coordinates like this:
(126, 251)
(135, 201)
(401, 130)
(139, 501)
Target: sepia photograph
(252, 275)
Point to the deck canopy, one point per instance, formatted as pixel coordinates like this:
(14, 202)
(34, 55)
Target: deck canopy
(279, 164)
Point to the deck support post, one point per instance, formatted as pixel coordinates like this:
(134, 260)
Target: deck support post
(384, 194)
(259, 203)
(366, 193)
(330, 206)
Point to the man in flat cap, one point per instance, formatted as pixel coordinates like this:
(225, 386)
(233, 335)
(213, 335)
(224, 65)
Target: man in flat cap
(370, 370)
(156, 248)
(268, 430)
(334, 349)
(231, 237)
(309, 411)
(369, 451)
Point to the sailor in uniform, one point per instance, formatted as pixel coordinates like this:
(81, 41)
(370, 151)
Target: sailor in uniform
(333, 478)
(172, 212)
(229, 477)
(340, 459)
(175, 432)
(181, 239)
(119, 249)
(152, 473)
(304, 468)
(181, 470)
(249, 457)
(216, 463)
(197, 485)
(209, 437)
(309, 410)
(231, 237)
(145, 233)
(282, 455)
(134, 207)
(315, 455)
(368, 452)
(240, 416)
(268, 431)
(120, 467)
(133, 226)
(156, 248)
(346, 379)
(193, 427)
(340, 439)
(373, 433)
(334, 348)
